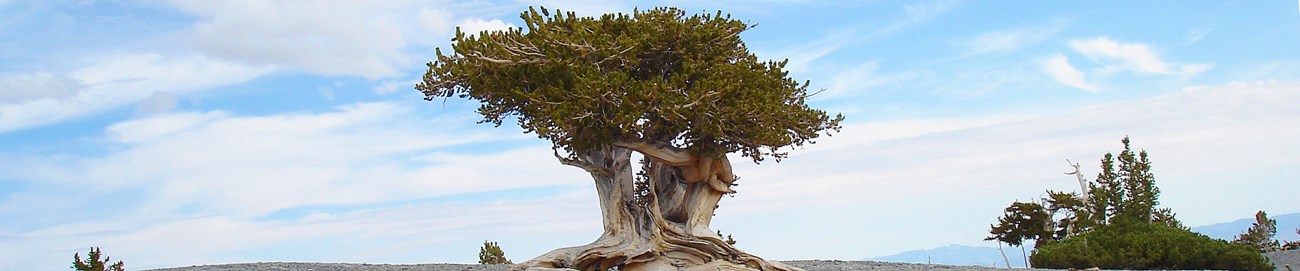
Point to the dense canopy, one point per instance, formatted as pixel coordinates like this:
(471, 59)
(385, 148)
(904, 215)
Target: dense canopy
(657, 77)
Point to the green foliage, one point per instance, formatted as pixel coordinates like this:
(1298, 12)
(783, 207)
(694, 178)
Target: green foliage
(1144, 245)
(491, 253)
(656, 76)
(1129, 192)
(1123, 193)
(93, 263)
(1021, 221)
(1075, 214)
(1260, 234)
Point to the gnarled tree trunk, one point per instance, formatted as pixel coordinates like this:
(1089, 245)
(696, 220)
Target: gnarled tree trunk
(664, 226)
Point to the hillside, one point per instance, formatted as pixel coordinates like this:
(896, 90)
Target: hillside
(1286, 227)
(958, 255)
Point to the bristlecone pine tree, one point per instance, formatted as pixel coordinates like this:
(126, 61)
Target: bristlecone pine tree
(93, 263)
(491, 253)
(1260, 234)
(682, 90)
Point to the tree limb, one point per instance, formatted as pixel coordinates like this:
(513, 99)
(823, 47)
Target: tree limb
(668, 155)
(585, 165)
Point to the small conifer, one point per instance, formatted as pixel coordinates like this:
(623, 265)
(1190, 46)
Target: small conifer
(93, 263)
(491, 253)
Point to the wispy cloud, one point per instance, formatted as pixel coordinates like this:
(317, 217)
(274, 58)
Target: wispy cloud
(801, 57)
(474, 26)
(983, 163)
(1133, 57)
(298, 35)
(236, 175)
(1009, 40)
(1058, 68)
(112, 81)
(915, 14)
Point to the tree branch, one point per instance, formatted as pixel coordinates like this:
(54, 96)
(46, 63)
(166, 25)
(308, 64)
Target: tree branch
(585, 165)
(668, 155)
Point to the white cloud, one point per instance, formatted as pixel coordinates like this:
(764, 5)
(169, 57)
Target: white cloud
(114, 81)
(475, 26)
(593, 8)
(903, 178)
(871, 175)
(1196, 35)
(1132, 57)
(861, 77)
(24, 87)
(413, 233)
(435, 21)
(251, 166)
(158, 102)
(1009, 40)
(917, 14)
(802, 56)
(1058, 68)
(332, 38)
(393, 86)
(385, 166)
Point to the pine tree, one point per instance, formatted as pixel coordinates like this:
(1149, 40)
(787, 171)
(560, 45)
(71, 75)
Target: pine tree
(1260, 234)
(1022, 221)
(682, 90)
(491, 253)
(1140, 192)
(1107, 196)
(93, 263)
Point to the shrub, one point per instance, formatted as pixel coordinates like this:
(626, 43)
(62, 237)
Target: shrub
(1141, 245)
(491, 253)
(93, 263)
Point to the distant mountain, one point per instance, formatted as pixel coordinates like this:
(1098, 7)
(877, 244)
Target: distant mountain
(989, 256)
(958, 255)
(1286, 226)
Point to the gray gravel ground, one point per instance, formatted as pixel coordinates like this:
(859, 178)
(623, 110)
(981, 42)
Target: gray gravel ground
(810, 265)
(1279, 259)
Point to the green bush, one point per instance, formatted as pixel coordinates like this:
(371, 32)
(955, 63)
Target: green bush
(491, 253)
(1130, 245)
(93, 263)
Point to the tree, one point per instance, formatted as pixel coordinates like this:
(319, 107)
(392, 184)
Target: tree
(491, 253)
(1260, 234)
(93, 263)
(681, 90)
(1021, 221)
(1140, 193)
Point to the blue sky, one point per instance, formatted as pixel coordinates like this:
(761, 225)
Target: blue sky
(176, 133)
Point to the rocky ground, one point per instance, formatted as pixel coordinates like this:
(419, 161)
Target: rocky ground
(812, 265)
(1280, 259)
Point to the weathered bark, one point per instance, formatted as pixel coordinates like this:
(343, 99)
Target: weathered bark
(667, 229)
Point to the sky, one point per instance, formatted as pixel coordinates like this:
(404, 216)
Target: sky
(177, 133)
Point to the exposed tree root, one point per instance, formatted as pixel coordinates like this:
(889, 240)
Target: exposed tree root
(664, 227)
